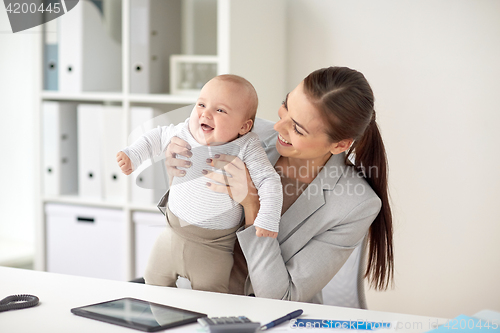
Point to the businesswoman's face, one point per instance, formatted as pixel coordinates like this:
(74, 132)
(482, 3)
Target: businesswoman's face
(302, 131)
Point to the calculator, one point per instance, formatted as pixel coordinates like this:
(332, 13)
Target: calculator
(229, 324)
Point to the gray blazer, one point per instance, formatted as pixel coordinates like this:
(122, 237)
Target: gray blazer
(317, 233)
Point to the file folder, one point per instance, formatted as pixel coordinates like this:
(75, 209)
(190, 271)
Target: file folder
(60, 157)
(154, 36)
(199, 27)
(86, 51)
(148, 182)
(113, 140)
(50, 57)
(90, 180)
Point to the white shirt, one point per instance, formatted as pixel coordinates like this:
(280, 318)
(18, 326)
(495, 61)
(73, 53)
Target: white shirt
(192, 201)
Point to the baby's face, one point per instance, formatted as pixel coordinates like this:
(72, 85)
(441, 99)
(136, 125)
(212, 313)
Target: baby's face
(220, 113)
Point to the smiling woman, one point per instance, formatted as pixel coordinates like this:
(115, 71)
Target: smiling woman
(302, 135)
(326, 115)
(345, 99)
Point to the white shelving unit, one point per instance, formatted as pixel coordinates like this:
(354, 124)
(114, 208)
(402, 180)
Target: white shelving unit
(250, 41)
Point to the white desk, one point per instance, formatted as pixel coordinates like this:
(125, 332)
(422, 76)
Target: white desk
(59, 293)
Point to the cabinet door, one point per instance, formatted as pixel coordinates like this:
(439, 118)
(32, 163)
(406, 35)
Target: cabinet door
(148, 226)
(86, 241)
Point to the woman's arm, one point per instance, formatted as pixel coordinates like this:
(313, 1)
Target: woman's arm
(308, 271)
(238, 186)
(262, 205)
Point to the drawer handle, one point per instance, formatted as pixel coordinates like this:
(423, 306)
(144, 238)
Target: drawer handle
(85, 219)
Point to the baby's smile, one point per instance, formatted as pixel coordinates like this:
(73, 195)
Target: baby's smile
(206, 128)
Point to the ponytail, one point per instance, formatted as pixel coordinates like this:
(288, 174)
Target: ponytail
(346, 101)
(370, 159)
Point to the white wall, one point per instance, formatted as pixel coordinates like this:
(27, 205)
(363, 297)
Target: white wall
(435, 69)
(19, 58)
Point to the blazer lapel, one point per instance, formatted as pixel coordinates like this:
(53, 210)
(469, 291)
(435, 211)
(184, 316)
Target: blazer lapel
(312, 198)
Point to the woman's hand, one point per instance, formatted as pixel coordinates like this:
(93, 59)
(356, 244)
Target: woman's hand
(238, 183)
(181, 147)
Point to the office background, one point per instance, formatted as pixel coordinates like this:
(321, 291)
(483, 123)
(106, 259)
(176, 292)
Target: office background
(434, 69)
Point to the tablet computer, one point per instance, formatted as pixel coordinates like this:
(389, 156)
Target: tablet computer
(138, 314)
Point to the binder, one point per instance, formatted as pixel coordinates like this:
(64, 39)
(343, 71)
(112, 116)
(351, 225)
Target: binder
(154, 36)
(149, 181)
(86, 51)
(50, 57)
(90, 180)
(60, 157)
(113, 140)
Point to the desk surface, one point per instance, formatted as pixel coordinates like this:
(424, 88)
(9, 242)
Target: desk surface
(59, 293)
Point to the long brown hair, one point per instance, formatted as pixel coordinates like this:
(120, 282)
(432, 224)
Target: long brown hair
(346, 101)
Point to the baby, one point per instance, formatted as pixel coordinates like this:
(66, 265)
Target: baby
(201, 230)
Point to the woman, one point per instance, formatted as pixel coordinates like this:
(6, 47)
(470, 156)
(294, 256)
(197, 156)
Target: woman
(330, 203)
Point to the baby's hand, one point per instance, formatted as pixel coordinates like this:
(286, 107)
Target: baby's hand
(124, 163)
(265, 233)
